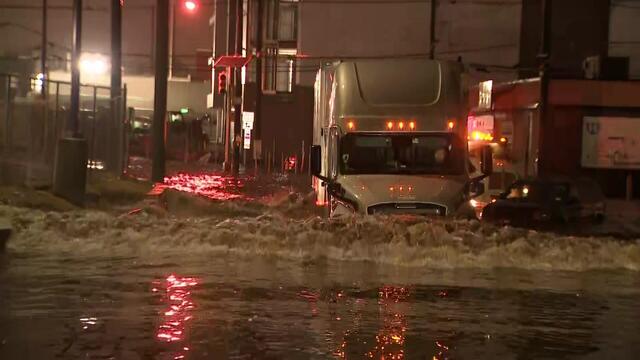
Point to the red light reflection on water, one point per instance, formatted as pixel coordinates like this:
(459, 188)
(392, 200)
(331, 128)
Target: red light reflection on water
(215, 187)
(178, 312)
(391, 337)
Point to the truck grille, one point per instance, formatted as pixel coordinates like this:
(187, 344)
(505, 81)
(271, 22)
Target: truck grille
(408, 208)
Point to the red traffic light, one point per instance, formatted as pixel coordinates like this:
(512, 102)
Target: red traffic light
(222, 83)
(190, 5)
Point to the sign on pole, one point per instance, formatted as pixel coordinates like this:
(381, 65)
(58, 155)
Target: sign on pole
(247, 139)
(247, 120)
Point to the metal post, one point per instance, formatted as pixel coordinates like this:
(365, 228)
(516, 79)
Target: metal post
(74, 113)
(43, 51)
(7, 116)
(257, 125)
(432, 33)
(92, 147)
(544, 56)
(114, 152)
(237, 101)
(160, 97)
(116, 49)
(123, 146)
(55, 114)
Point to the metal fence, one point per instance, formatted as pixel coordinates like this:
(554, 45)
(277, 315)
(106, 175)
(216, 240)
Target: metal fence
(32, 121)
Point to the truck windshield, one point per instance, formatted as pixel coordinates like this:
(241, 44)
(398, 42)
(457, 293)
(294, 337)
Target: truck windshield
(424, 154)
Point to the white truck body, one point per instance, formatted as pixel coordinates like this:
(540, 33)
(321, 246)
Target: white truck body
(392, 135)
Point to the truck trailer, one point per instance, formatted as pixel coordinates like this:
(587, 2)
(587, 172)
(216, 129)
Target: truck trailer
(390, 138)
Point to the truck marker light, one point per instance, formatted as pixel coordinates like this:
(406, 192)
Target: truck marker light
(412, 125)
(390, 125)
(351, 125)
(401, 125)
(391, 188)
(503, 140)
(451, 125)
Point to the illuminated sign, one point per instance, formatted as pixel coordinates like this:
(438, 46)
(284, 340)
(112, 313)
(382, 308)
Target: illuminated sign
(484, 99)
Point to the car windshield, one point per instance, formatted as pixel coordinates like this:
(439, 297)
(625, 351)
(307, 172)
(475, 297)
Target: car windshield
(432, 154)
(538, 192)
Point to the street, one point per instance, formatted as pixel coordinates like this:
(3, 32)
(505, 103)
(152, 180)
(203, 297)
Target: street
(319, 179)
(102, 285)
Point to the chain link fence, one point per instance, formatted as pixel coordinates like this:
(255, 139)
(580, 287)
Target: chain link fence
(34, 116)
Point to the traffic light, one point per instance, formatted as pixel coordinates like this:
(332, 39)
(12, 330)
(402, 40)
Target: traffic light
(222, 83)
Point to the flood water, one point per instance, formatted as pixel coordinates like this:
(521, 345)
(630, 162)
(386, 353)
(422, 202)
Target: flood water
(98, 286)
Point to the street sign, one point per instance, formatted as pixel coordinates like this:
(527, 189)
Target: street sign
(247, 120)
(247, 139)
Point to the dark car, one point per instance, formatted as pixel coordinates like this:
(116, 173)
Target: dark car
(531, 203)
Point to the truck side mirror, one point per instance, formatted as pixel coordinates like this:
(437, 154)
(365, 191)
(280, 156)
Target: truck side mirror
(316, 160)
(487, 161)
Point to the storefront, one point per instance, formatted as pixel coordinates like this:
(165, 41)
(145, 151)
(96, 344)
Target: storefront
(592, 130)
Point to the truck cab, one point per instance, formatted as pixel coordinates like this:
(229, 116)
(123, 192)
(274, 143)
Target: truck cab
(390, 138)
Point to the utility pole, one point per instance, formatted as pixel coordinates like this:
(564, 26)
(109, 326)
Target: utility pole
(70, 167)
(116, 49)
(228, 98)
(237, 99)
(544, 57)
(116, 86)
(172, 35)
(160, 92)
(257, 135)
(43, 51)
(432, 33)
(74, 114)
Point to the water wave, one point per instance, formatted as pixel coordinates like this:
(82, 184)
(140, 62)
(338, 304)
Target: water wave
(410, 242)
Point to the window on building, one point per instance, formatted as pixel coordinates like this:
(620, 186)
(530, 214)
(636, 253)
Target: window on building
(284, 77)
(281, 32)
(279, 70)
(271, 20)
(288, 21)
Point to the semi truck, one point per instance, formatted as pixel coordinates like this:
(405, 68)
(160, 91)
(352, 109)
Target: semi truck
(390, 138)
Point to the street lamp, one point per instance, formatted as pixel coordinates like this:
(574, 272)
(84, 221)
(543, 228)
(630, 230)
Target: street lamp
(190, 5)
(93, 65)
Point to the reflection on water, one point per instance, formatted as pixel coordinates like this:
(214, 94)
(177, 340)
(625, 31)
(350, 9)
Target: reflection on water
(264, 309)
(178, 313)
(391, 337)
(212, 186)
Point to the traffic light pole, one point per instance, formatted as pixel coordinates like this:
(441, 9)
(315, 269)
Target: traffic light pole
(160, 92)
